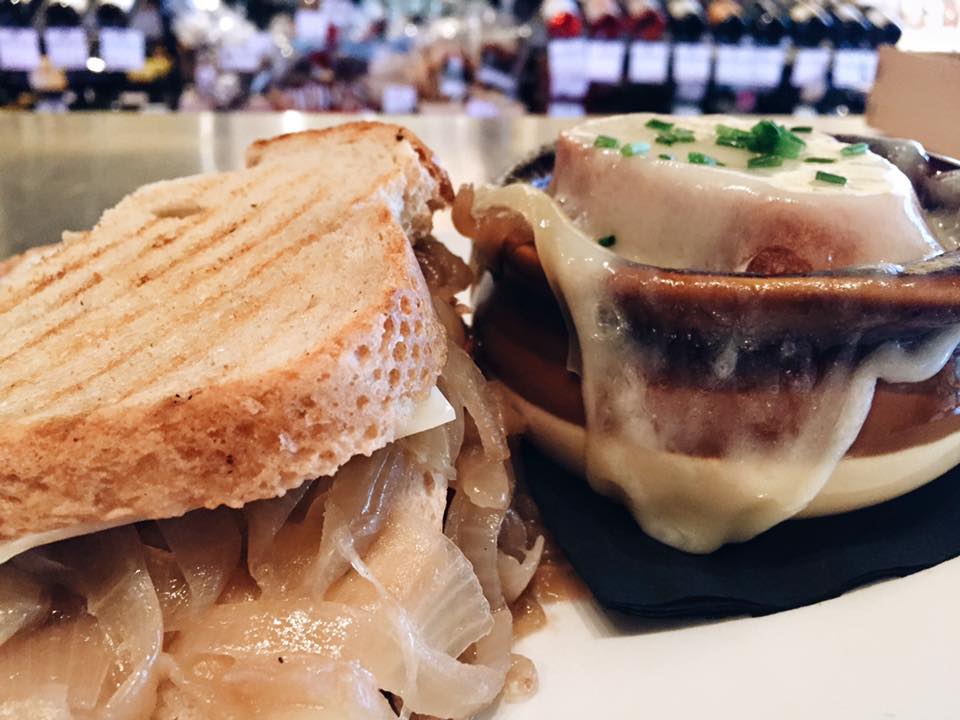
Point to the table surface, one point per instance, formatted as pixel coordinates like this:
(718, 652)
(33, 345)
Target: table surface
(59, 172)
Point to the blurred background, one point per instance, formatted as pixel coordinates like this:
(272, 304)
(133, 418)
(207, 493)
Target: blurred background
(486, 58)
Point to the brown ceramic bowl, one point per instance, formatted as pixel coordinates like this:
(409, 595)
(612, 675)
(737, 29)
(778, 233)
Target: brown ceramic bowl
(789, 329)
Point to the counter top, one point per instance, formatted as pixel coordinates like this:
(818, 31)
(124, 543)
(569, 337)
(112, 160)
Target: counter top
(59, 172)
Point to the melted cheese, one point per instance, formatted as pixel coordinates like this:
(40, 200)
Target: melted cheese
(432, 412)
(677, 214)
(681, 500)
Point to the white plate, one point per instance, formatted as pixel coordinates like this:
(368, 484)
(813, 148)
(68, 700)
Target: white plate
(888, 651)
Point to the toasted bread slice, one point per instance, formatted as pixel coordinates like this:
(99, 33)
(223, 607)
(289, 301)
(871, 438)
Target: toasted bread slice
(220, 338)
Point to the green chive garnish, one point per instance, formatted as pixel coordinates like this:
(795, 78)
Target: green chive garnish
(675, 135)
(764, 137)
(789, 145)
(802, 129)
(698, 158)
(605, 141)
(769, 138)
(607, 241)
(855, 149)
(831, 178)
(764, 161)
(665, 156)
(820, 160)
(732, 142)
(733, 137)
(655, 124)
(635, 148)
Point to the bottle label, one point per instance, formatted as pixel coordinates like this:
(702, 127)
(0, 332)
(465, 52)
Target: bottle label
(245, 56)
(341, 13)
(565, 109)
(498, 79)
(605, 61)
(67, 47)
(767, 64)
(691, 62)
(311, 26)
(810, 67)
(19, 49)
(398, 99)
(567, 63)
(649, 62)
(854, 69)
(734, 66)
(122, 49)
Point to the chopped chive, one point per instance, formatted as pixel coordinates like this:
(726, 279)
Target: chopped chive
(699, 158)
(802, 129)
(831, 178)
(655, 124)
(764, 161)
(730, 133)
(635, 148)
(605, 141)
(769, 138)
(607, 241)
(665, 156)
(764, 137)
(675, 135)
(789, 145)
(819, 160)
(855, 149)
(733, 142)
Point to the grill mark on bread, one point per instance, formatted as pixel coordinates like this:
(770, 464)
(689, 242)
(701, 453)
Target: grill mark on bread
(182, 233)
(46, 281)
(247, 311)
(95, 279)
(86, 255)
(278, 325)
(195, 311)
(154, 273)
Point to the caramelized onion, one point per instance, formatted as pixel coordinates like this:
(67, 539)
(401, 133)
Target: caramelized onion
(66, 662)
(353, 586)
(465, 387)
(516, 575)
(265, 518)
(22, 602)
(281, 688)
(206, 546)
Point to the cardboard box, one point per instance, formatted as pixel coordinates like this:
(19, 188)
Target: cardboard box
(917, 96)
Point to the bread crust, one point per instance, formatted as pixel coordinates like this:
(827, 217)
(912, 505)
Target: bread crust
(254, 435)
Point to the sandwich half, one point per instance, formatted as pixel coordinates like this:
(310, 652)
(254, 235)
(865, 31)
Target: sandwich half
(246, 467)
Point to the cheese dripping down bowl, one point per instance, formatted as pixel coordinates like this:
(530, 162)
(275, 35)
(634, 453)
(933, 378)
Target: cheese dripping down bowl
(722, 323)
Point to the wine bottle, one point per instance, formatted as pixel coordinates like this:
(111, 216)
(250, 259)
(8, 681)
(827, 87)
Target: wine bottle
(686, 20)
(728, 23)
(850, 27)
(810, 24)
(604, 19)
(882, 29)
(562, 18)
(17, 13)
(769, 23)
(112, 14)
(646, 19)
(64, 13)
